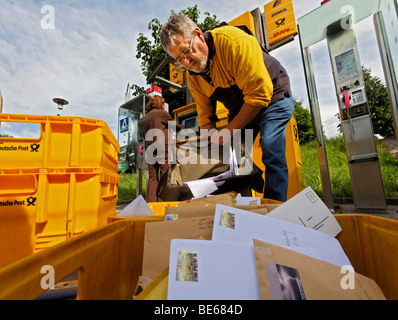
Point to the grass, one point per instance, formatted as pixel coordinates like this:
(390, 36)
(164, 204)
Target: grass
(128, 186)
(338, 170)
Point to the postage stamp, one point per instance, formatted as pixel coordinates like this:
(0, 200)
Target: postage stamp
(187, 265)
(227, 219)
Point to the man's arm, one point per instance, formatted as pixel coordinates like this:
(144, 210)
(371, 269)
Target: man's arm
(246, 115)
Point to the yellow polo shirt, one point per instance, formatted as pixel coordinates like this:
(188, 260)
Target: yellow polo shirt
(237, 61)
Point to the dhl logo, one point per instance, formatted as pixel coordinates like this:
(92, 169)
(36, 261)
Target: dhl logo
(279, 33)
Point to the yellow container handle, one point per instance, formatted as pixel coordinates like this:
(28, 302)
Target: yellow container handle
(18, 184)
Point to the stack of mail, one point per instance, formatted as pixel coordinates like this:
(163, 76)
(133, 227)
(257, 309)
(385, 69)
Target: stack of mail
(274, 256)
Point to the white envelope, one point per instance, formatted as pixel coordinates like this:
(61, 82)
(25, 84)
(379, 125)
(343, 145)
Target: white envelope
(209, 270)
(232, 224)
(138, 207)
(247, 200)
(202, 188)
(308, 210)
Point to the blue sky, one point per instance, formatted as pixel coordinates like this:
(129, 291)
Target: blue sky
(89, 56)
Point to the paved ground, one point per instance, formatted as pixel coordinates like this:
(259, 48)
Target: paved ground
(391, 144)
(390, 213)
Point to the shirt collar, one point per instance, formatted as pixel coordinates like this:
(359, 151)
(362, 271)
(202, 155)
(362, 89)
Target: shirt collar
(210, 44)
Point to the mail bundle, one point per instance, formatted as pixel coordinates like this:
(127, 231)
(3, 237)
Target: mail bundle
(227, 252)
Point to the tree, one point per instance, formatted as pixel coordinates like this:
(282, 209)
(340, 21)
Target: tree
(304, 122)
(151, 53)
(379, 104)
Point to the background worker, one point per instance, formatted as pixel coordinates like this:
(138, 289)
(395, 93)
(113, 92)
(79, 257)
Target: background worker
(228, 65)
(157, 118)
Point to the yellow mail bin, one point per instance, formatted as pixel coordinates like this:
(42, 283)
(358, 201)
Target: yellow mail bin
(370, 243)
(42, 207)
(138, 232)
(63, 142)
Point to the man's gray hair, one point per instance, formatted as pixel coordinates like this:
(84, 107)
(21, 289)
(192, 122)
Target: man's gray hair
(177, 26)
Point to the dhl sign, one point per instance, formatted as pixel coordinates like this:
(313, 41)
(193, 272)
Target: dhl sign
(280, 20)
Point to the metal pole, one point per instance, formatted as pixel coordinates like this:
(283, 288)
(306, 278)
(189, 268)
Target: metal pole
(317, 126)
(1, 103)
(388, 67)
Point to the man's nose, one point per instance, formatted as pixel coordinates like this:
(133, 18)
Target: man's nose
(185, 60)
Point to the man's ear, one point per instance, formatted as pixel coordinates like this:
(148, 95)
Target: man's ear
(200, 35)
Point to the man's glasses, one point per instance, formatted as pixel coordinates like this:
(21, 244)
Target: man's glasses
(186, 52)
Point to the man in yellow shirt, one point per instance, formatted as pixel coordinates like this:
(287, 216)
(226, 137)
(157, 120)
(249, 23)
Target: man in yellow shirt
(228, 65)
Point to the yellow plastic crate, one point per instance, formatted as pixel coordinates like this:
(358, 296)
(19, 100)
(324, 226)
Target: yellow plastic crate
(370, 243)
(101, 256)
(42, 207)
(138, 238)
(63, 142)
(159, 208)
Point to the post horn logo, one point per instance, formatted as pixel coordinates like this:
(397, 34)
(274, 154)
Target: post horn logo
(280, 22)
(34, 147)
(31, 201)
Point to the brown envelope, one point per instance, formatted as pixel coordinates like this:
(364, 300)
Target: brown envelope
(159, 234)
(185, 212)
(141, 285)
(226, 198)
(284, 274)
(195, 211)
(258, 208)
